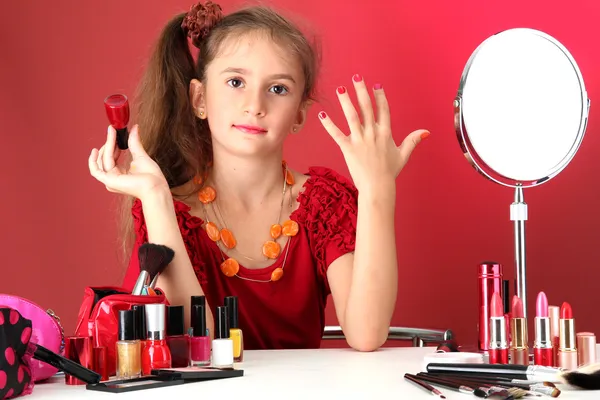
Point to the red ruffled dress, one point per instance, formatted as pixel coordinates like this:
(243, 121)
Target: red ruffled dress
(289, 313)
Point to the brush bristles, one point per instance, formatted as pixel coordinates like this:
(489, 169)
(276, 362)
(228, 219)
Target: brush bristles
(587, 377)
(583, 381)
(154, 258)
(517, 393)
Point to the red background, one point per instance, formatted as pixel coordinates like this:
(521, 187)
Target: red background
(60, 59)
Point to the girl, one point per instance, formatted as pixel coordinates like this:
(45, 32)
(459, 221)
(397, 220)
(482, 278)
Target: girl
(207, 179)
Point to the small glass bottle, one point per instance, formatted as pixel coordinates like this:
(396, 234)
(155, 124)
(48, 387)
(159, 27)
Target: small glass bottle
(196, 301)
(200, 341)
(231, 302)
(139, 316)
(177, 340)
(156, 353)
(128, 347)
(222, 345)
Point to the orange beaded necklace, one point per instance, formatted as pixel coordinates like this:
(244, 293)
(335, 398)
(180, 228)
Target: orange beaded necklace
(270, 249)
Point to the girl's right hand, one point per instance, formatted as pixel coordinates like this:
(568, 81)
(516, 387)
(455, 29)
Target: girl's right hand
(141, 178)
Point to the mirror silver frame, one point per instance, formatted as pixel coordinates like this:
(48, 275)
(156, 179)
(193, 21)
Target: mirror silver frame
(518, 209)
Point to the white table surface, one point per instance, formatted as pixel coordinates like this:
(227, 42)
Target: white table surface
(298, 374)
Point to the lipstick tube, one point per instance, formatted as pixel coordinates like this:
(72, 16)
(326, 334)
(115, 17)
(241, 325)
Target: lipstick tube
(543, 349)
(586, 348)
(567, 349)
(101, 362)
(80, 350)
(554, 315)
(519, 351)
(117, 111)
(498, 349)
(489, 282)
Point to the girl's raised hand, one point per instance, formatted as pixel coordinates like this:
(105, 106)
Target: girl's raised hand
(369, 150)
(139, 179)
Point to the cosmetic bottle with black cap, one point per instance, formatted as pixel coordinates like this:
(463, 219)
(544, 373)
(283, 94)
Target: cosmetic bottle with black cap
(200, 341)
(177, 340)
(222, 345)
(235, 333)
(196, 301)
(139, 316)
(128, 347)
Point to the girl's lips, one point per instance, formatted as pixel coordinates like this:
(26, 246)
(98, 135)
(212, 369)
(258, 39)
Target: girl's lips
(254, 130)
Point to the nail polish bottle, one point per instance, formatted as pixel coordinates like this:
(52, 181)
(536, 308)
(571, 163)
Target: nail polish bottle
(196, 301)
(200, 341)
(222, 345)
(139, 315)
(177, 340)
(231, 302)
(128, 347)
(156, 353)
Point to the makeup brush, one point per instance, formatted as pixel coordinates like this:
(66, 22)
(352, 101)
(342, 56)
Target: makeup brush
(480, 389)
(586, 377)
(429, 388)
(505, 379)
(450, 384)
(545, 388)
(153, 258)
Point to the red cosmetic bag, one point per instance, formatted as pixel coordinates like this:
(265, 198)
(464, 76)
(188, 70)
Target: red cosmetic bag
(46, 330)
(99, 312)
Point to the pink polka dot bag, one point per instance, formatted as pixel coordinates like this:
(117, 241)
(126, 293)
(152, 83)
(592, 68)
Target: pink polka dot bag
(44, 329)
(15, 354)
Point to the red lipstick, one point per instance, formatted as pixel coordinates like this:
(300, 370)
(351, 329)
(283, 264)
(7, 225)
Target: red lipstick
(498, 349)
(519, 350)
(543, 352)
(567, 349)
(117, 111)
(251, 129)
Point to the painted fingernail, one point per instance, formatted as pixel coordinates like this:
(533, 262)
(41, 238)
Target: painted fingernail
(357, 78)
(424, 135)
(322, 115)
(341, 90)
(378, 86)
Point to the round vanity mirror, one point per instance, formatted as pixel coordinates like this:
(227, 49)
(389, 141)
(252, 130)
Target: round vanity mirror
(520, 115)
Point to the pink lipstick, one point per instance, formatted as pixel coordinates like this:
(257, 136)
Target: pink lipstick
(519, 350)
(567, 349)
(543, 349)
(117, 111)
(498, 349)
(251, 129)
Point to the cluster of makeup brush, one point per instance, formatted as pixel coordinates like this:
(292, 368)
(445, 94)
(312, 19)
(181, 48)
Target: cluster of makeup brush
(495, 381)
(489, 388)
(153, 258)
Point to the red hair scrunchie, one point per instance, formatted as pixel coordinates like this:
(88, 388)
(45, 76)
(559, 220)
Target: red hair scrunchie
(200, 19)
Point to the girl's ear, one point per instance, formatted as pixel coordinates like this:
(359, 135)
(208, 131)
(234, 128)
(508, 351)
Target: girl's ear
(301, 116)
(197, 98)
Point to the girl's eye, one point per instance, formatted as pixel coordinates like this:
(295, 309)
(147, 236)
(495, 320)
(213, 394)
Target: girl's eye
(236, 83)
(279, 89)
